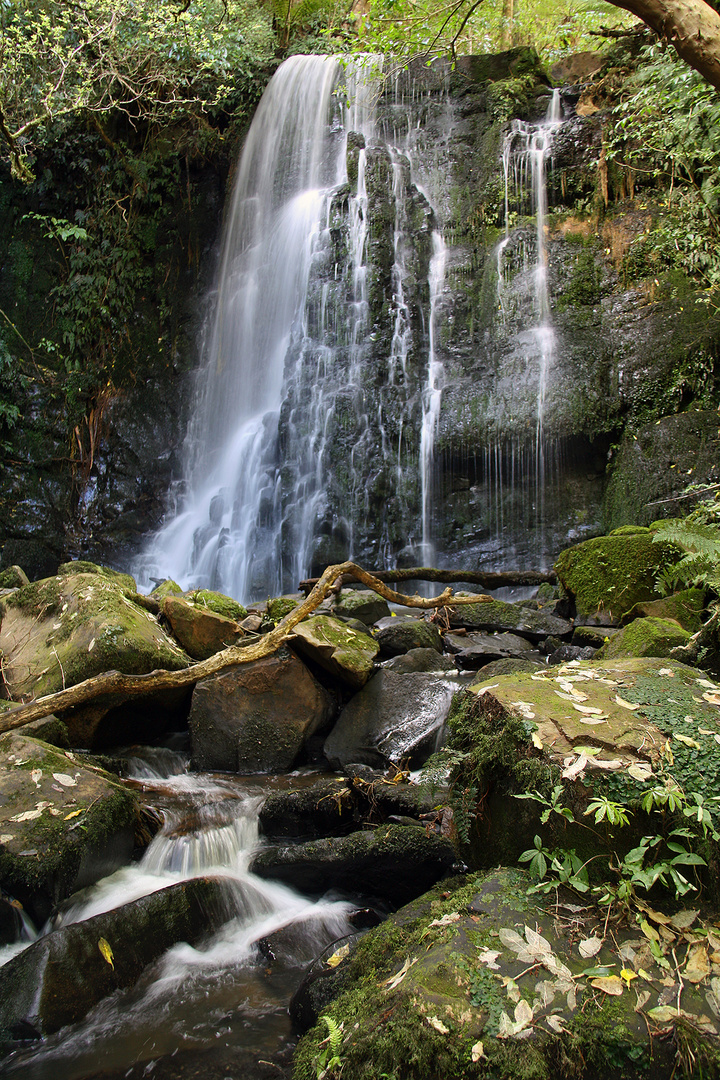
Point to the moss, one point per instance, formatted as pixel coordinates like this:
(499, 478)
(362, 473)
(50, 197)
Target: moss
(644, 637)
(281, 606)
(126, 582)
(217, 602)
(167, 588)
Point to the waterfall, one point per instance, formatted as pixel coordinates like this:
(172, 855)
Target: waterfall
(432, 399)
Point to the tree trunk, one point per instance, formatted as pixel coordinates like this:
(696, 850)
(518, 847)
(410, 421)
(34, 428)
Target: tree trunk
(486, 579)
(508, 15)
(692, 26)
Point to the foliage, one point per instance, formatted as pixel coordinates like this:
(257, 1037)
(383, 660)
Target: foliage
(698, 536)
(147, 59)
(666, 131)
(328, 1062)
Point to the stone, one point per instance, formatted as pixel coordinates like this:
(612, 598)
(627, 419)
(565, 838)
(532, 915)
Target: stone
(426, 660)
(61, 976)
(684, 608)
(571, 652)
(510, 667)
(613, 573)
(645, 637)
(393, 862)
(167, 588)
(76, 829)
(200, 631)
(473, 651)
(344, 652)
(395, 718)
(362, 604)
(398, 634)
(496, 616)
(595, 636)
(219, 603)
(82, 566)
(256, 717)
(280, 606)
(14, 577)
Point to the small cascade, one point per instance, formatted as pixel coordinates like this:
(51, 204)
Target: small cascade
(431, 398)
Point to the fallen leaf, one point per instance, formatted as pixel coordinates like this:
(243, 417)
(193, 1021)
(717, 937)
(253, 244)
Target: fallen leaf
(338, 956)
(705, 731)
(626, 704)
(663, 1014)
(36, 777)
(28, 815)
(576, 769)
(64, 779)
(574, 696)
(698, 965)
(6, 838)
(627, 975)
(511, 939)
(640, 771)
(74, 813)
(589, 947)
(682, 920)
(644, 975)
(536, 740)
(523, 1015)
(539, 945)
(486, 689)
(593, 719)
(512, 989)
(106, 952)
(556, 967)
(525, 708)
(398, 977)
(657, 916)
(708, 684)
(712, 696)
(438, 1025)
(608, 766)
(667, 671)
(589, 710)
(488, 957)
(555, 1024)
(643, 996)
(609, 984)
(686, 739)
(477, 1052)
(446, 920)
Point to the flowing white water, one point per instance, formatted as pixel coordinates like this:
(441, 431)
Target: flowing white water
(432, 398)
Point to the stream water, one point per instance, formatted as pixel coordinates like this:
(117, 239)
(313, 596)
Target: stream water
(223, 997)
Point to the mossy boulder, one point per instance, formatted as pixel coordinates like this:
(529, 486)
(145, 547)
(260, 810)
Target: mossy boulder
(219, 603)
(397, 635)
(645, 637)
(256, 717)
(496, 616)
(58, 979)
(335, 646)
(362, 604)
(59, 631)
(280, 606)
(480, 979)
(167, 588)
(613, 573)
(82, 566)
(64, 824)
(683, 607)
(200, 631)
(14, 577)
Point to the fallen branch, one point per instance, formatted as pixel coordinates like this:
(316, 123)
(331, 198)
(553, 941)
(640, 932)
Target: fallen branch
(116, 684)
(424, 573)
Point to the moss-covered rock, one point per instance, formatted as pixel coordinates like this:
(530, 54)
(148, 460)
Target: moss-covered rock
(167, 588)
(200, 631)
(81, 566)
(613, 573)
(478, 979)
(14, 577)
(683, 607)
(496, 616)
(280, 606)
(398, 634)
(64, 823)
(362, 604)
(219, 603)
(338, 648)
(645, 637)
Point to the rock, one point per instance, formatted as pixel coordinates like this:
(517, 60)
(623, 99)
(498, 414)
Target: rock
(166, 588)
(595, 636)
(125, 581)
(645, 637)
(49, 730)
(14, 577)
(510, 667)
(496, 616)
(481, 968)
(321, 984)
(79, 823)
(256, 717)
(684, 608)
(219, 603)
(571, 652)
(200, 631)
(426, 660)
(473, 651)
(338, 648)
(58, 979)
(281, 606)
(339, 806)
(397, 635)
(59, 631)
(613, 573)
(251, 624)
(393, 719)
(362, 604)
(394, 862)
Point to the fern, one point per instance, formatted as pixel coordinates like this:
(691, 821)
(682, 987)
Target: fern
(329, 1061)
(698, 537)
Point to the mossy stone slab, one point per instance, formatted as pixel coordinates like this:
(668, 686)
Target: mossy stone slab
(335, 646)
(645, 637)
(200, 631)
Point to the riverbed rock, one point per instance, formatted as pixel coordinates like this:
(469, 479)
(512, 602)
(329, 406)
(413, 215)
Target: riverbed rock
(59, 631)
(496, 616)
(345, 653)
(480, 978)
(473, 651)
(256, 717)
(217, 602)
(613, 573)
(685, 608)
(398, 634)
(426, 660)
(64, 823)
(362, 604)
(200, 631)
(394, 718)
(82, 566)
(393, 862)
(58, 979)
(645, 637)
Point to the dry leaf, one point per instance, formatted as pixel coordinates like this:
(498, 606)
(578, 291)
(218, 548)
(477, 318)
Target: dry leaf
(686, 739)
(602, 719)
(536, 740)
(698, 965)
(338, 956)
(28, 815)
(667, 671)
(488, 957)
(589, 710)
(438, 1025)
(663, 1014)
(398, 977)
(589, 947)
(74, 813)
(525, 708)
(575, 770)
(523, 1015)
(446, 920)
(626, 704)
(538, 944)
(609, 984)
(36, 777)
(64, 779)
(512, 989)
(486, 689)
(682, 920)
(640, 771)
(627, 975)
(106, 952)
(709, 685)
(511, 939)
(555, 1024)
(477, 1052)
(643, 997)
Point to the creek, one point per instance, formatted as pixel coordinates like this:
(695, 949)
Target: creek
(226, 998)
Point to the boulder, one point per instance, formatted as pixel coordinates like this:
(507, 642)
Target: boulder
(565, 653)
(645, 637)
(166, 588)
(398, 634)
(81, 566)
(393, 719)
(58, 979)
(684, 608)
(14, 577)
(200, 631)
(362, 604)
(219, 603)
(419, 660)
(280, 606)
(256, 717)
(613, 573)
(510, 667)
(473, 651)
(344, 652)
(495, 616)
(64, 823)
(594, 636)
(393, 862)
(59, 631)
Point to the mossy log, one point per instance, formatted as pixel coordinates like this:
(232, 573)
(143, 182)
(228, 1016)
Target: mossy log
(487, 580)
(114, 683)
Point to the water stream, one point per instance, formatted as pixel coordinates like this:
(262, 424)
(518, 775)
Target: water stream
(222, 995)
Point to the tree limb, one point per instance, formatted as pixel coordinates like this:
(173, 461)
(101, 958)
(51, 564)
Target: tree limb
(114, 683)
(473, 577)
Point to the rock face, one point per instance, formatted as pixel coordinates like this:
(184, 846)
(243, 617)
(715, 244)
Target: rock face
(64, 825)
(58, 979)
(394, 718)
(341, 650)
(256, 717)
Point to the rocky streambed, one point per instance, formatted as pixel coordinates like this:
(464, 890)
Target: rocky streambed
(540, 901)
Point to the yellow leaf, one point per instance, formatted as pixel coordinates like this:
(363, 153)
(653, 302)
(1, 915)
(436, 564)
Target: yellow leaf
(625, 704)
(687, 740)
(537, 742)
(627, 975)
(106, 952)
(609, 984)
(644, 975)
(338, 956)
(74, 813)
(649, 931)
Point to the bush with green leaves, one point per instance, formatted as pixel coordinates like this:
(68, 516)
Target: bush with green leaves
(698, 537)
